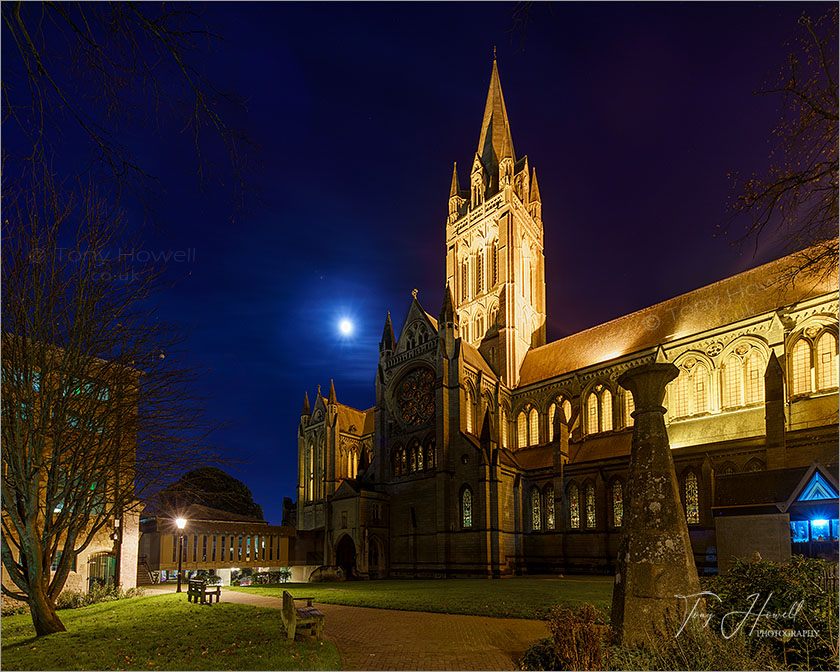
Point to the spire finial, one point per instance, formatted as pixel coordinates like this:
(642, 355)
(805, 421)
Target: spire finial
(414, 293)
(494, 52)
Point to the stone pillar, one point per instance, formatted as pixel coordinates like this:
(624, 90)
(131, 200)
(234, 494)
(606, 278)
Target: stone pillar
(655, 561)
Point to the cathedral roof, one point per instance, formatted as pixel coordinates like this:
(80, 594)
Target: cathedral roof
(360, 421)
(535, 457)
(741, 296)
(475, 359)
(495, 127)
(601, 447)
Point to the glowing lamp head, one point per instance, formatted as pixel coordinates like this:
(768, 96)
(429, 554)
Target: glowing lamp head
(181, 523)
(345, 327)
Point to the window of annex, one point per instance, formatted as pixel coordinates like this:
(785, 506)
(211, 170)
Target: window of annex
(813, 362)
(466, 507)
(599, 410)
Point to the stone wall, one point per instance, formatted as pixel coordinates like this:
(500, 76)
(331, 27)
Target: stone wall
(742, 536)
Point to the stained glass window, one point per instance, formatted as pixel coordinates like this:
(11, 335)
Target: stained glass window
(755, 378)
(536, 514)
(534, 427)
(522, 430)
(549, 507)
(416, 396)
(403, 465)
(397, 463)
(574, 507)
(590, 505)
(419, 457)
(618, 503)
(629, 407)
(701, 389)
(430, 454)
(412, 460)
(692, 498)
(827, 362)
(801, 367)
(606, 411)
(466, 507)
(592, 414)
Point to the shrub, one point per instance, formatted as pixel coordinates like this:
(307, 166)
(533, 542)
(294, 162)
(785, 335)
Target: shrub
(12, 607)
(695, 648)
(540, 656)
(783, 587)
(578, 641)
(73, 599)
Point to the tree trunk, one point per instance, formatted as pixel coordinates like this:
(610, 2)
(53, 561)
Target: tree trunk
(44, 618)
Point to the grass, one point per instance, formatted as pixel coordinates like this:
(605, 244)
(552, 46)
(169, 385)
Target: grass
(163, 632)
(520, 597)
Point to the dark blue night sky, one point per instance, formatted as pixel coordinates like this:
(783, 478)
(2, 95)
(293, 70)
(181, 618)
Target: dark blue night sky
(632, 114)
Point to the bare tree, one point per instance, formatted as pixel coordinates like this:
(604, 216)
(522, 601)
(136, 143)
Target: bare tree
(797, 197)
(98, 407)
(102, 68)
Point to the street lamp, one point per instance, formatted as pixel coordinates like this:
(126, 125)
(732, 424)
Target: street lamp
(181, 523)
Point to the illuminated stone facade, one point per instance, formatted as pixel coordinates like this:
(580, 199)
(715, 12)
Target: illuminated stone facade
(466, 464)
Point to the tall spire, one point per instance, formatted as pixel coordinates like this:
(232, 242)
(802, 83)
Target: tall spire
(331, 399)
(495, 127)
(455, 188)
(447, 311)
(306, 410)
(388, 341)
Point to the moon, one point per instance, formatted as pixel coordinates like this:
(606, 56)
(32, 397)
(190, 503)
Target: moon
(345, 327)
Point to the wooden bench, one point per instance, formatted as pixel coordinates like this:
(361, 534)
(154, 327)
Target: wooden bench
(198, 590)
(308, 617)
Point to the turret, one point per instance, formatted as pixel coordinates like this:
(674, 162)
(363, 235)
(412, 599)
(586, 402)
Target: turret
(506, 164)
(331, 399)
(534, 200)
(448, 324)
(306, 411)
(456, 200)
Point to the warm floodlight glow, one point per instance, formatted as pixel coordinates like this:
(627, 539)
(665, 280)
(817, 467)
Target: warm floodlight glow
(181, 523)
(346, 327)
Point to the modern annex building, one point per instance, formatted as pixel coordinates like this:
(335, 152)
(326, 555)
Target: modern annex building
(490, 452)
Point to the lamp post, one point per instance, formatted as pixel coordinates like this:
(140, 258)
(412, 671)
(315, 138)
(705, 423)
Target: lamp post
(181, 523)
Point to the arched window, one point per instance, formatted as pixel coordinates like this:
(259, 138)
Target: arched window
(504, 428)
(567, 409)
(754, 383)
(732, 373)
(692, 498)
(592, 414)
(701, 389)
(536, 513)
(552, 413)
(396, 463)
(606, 411)
(466, 507)
(521, 430)
(827, 362)
(574, 507)
(403, 462)
(465, 280)
(465, 331)
(727, 468)
(494, 263)
(310, 476)
(430, 453)
(533, 427)
(801, 367)
(548, 496)
(590, 505)
(526, 272)
(468, 411)
(479, 272)
(754, 465)
(493, 317)
(412, 460)
(617, 503)
(679, 395)
(419, 452)
(629, 407)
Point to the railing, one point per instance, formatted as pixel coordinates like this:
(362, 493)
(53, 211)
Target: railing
(144, 561)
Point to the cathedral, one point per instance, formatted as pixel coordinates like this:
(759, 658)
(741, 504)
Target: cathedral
(492, 453)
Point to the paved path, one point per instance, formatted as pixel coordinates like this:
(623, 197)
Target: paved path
(386, 639)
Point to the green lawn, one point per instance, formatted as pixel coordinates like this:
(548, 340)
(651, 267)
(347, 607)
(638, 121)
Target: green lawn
(163, 632)
(520, 597)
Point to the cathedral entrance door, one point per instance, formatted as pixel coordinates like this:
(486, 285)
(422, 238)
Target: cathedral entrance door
(345, 555)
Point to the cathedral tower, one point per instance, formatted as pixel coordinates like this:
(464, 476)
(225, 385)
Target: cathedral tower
(495, 266)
